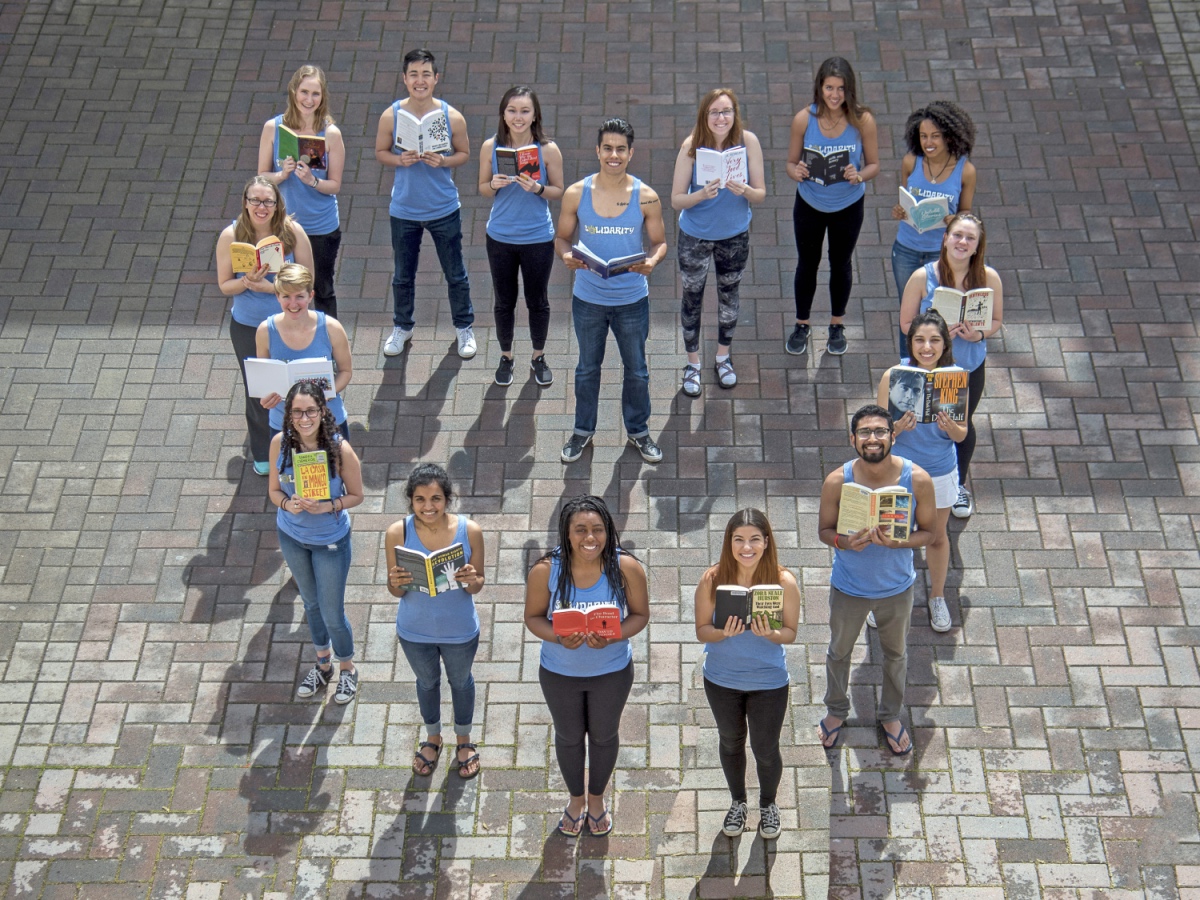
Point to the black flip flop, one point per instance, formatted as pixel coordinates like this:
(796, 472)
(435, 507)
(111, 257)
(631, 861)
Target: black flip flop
(896, 739)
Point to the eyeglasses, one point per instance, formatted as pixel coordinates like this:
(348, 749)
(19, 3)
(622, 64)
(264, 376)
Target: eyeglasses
(269, 204)
(720, 113)
(865, 433)
(302, 414)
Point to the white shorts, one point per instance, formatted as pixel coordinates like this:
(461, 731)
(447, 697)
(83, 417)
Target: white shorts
(945, 489)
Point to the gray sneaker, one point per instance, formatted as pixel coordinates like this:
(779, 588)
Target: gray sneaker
(797, 343)
(347, 686)
(574, 447)
(837, 340)
(964, 505)
(316, 680)
(541, 371)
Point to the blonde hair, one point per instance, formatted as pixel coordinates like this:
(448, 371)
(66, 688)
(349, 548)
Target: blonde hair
(293, 278)
(321, 117)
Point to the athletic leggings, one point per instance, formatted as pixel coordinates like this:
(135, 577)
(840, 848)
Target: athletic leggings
(587, 708)
(534, 262)
(763, 712)
(729, 256)
(810, 227)
(966, 448)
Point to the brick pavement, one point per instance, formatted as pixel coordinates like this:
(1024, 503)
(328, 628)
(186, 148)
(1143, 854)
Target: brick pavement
(150, 740)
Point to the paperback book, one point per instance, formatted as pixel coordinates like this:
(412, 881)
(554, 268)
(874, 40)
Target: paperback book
(926, 392)
(735, 601)
(432, 573)
(606, 268)
(603, 619)
(888, 507)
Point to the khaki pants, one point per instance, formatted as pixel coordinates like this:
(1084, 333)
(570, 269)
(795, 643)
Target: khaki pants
(847, 615)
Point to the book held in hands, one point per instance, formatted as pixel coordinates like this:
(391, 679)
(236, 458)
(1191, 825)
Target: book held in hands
(721, 165)
(306, 148)
(514, 161)
(432, 573)
(275, 376)
(971, 308)
(601, 619)
(888, 507)
(247, 258)
(924, 215)
(428, 134)
(825, 169)
(606, 268)
(926, 392)
(735, 601)
(310, 474)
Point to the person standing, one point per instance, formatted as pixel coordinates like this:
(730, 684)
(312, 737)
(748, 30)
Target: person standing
(939, 139)
(310, 186)
(424, 198)
(609, 211)
(586, 678)
(835, 122)
(960, 266)
(745, 668)
(520, 231)
(872, 573)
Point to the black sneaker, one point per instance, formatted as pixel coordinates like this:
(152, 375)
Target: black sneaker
(541, 372)
(574, 447)
(837, 340)
(650, 451)
(735, 820)
(314, 681)
(504, 371)
(769, 825)
(798, 342)
(347, 686)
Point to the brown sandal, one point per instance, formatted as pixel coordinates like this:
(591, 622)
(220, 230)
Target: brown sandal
(429, 765)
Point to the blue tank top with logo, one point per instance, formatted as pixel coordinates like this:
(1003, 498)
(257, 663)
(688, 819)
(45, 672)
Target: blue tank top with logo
(927, 445)
(718, 218)
(746, 662)
(448, 618)
(317, 213)
(520, 216)
(876, 572)
(585, 661)
(967, 354)
(838, 196)
(421, 193)
(320, 348)
(921, 187)
(610, 239)
(305, 527)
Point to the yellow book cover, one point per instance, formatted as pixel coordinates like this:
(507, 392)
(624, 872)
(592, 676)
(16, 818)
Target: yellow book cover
(311, 471)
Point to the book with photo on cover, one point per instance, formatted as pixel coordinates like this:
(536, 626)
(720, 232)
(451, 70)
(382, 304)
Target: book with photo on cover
(247, 258)
(514, 161)
(432, 573)
(924, 215)
(735, 601)
(428, 134)
(310, 474)
(602, 619)
(926, 392)
(889, 507)
(721, 165)
(606, 268)
(306, 148)
(825, 169)
(971, 308)
(275, 376)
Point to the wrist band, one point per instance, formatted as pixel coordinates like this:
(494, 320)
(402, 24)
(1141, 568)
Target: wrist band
(541, 189)
(835, 541)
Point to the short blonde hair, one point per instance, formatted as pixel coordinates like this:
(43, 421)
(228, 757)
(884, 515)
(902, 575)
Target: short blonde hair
(292, 278)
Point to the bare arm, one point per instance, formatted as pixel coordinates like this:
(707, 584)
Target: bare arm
(827, 515)
(266, 155)
(350, 469)
(398, 577)
(637, 598)
(302, 251)
(537, 603)
(335, 158)
(682, 180)
(384, 140)
(914, 293)
(967, 198)
(906, 169)
(554, 171)
(870, 141)
(656, 231)
(797, 170)
(227, 281)
(568, 224)
(341, 354)
(756, 190)
(486, 175)
(470, 576)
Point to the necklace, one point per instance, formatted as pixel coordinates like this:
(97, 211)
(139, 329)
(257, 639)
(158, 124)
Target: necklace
(929, 169)
(832, 124)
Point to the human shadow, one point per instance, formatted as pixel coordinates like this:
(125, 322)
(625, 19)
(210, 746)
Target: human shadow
(682, 496)
(721, 873)
(503, 435)
(560, 867)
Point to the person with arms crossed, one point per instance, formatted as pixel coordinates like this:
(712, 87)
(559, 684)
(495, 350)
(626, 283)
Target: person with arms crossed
(872, 572)
(424, 198)
(608, 212)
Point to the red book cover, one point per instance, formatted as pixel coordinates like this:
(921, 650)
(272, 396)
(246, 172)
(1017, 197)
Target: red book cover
(603, 621)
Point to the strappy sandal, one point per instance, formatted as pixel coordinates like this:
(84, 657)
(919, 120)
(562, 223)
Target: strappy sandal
(576, 823)
(464, 763)
(430, 765)
(597, 820)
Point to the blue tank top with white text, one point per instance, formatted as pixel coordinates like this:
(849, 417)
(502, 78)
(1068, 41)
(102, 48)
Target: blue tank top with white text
(316, 212)
(520, 216)
(610, 239)
(921, 187)
(320, 348)
(838, 196)
(421, 193)
(448, 618)
(585, 661)
(967, 354)
(876, 572)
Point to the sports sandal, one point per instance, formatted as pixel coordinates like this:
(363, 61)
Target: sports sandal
(466, 763)
(593, 821)
(423, 761)
(576, 823)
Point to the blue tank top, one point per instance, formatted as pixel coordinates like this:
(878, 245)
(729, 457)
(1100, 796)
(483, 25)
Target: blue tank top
(836, 196)
(317, 213)
(968, 355)
(927, 445)
(520, 216)
(921, 187)
(609, 239)
(875, 572)
(311, 528)
(252, 307)
(448, 618)
(421, 193)
(724, 216)
(586, 661)
(746, 662)
(320, 347)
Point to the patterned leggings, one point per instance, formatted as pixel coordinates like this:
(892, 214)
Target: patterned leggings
(730, 256)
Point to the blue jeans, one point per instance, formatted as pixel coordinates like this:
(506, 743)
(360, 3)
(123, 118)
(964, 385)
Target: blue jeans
(630, 325)
(320, 571)
(905, 261)
(423, 658)
(406, 251)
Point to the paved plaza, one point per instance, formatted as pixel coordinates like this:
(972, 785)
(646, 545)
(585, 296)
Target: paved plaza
(150, 741)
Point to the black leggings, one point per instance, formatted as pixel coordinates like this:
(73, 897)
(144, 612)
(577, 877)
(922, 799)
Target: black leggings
(810, 227)
(258, 420)
(966, 448)
(325, 252)
(764, 711)
(534, 261)
(587, 708)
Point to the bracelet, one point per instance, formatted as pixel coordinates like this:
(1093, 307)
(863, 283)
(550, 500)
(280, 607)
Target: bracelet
(835, 541)
(541, 189)
(316, 181)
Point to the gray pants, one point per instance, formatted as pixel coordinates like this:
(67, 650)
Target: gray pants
(847, 615)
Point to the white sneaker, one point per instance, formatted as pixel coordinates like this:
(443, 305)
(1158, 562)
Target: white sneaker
(939, 615)
(394, 345)
(871, 619)
(466, 342)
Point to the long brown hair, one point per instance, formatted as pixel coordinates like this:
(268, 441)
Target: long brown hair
(931, 317)
(837, 67)
(702, 135)
(503, 138)
(329, 438)
(281, 222)
(767, 571)
(976, 268)
(321, 117)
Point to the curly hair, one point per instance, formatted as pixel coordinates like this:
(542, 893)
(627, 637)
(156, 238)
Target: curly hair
(951, 120)
(609, 561)
(329, 438)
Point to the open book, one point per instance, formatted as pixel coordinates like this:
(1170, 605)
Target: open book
(735, 601)
(310, 475)
(606, 268)
(927, 392)
(971, 308)
(516, 161)
(825, 170)
(889, 507)
(603, 620)
(428, 134)
(432, 573)
(723, 165)
(248, 257)
(924, 215)
(306, 148)
(274, 376)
